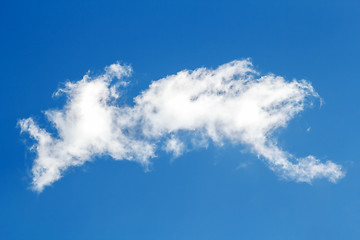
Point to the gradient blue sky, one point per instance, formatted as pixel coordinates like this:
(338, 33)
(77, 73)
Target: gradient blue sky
(203, 194)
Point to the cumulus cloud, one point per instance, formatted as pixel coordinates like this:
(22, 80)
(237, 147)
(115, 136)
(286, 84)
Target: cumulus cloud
(232, 104)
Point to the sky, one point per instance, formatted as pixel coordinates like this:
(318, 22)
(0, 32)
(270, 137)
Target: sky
(179, 120)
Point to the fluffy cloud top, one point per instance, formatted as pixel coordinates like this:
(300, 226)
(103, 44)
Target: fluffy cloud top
(231, 104)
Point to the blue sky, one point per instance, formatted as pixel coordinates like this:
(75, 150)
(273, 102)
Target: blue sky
(222, 191)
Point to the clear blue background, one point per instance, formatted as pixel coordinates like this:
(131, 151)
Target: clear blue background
(203, 194)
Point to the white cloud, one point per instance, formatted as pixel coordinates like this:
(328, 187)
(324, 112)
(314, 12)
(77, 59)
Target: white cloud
(229, 104)
(174, 146)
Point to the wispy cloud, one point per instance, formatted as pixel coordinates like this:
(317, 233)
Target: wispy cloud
(232, 104)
